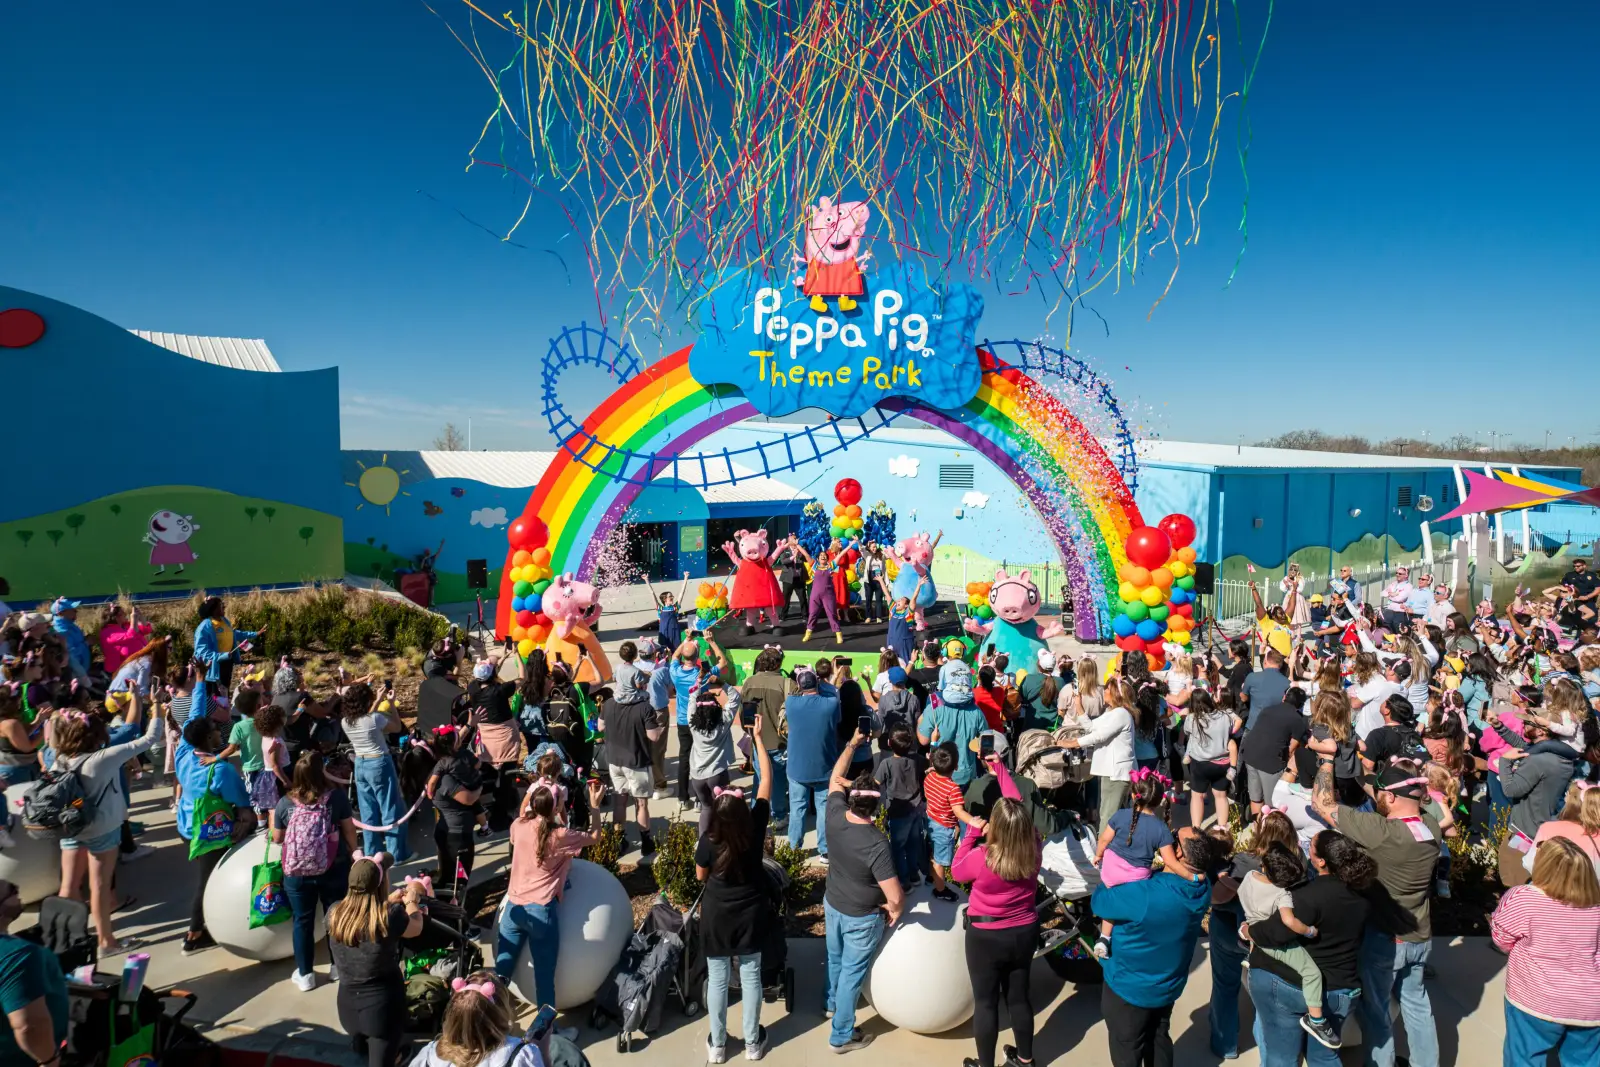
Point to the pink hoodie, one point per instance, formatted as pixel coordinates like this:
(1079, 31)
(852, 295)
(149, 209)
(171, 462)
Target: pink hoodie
(1493, 744)
(992, 897)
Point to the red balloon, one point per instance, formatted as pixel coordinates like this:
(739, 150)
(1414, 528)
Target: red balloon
(1155, 644)
(541, 619)
(1130, 643)
(528, 533)
(524, 619)
(1179, 529)
(1186, 610)
(1148, 547)
(847, 491)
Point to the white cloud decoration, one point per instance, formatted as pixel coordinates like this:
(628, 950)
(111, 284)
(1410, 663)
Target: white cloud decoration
(975, 499)
(489, 517)
(904, 466)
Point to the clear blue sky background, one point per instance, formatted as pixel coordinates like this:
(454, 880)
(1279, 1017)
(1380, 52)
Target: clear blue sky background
(1423, 223)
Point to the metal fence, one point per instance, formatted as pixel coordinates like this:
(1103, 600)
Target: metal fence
(1232, 602)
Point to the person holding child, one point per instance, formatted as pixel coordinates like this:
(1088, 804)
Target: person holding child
(1131, 840)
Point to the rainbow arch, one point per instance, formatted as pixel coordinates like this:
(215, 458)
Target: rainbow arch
(662, 411)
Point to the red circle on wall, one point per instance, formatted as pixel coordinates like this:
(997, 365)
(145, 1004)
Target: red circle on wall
(20, 328)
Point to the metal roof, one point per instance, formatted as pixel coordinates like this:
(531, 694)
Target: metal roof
(517, 470)
(240, 353)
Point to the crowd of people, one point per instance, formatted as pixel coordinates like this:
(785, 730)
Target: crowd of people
(1355, 744)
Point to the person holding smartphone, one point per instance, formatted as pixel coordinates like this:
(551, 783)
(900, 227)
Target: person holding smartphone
(711, 746)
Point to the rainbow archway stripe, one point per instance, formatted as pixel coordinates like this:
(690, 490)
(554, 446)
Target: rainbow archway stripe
(1014, 422)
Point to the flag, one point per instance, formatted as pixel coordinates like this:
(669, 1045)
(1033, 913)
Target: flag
(1251, 567)
(461, 871)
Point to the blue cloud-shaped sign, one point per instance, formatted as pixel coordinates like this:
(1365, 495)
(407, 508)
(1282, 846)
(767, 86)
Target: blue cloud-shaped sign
(904, 337)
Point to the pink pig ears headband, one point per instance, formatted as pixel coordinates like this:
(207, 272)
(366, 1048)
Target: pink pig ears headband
(382, 859)
(719, 792)
(486, 988)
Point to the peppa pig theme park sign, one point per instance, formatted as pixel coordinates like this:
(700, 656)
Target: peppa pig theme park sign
(839, 335)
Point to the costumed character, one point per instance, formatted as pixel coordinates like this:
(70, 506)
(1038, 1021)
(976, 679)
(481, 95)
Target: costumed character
(833, 257)
(915, 554)
(755, 587)
(574, 609)
(824, 595)
(1015, 601)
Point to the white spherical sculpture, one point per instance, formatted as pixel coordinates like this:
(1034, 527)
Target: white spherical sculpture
(919, 980)
(227, 907)
(596, 920)
(32, 864)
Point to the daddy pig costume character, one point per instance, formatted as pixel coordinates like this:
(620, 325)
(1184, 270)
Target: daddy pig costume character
(574, 608)
(755, 587)
(833, 258)
(1015, 601)
(915, 554)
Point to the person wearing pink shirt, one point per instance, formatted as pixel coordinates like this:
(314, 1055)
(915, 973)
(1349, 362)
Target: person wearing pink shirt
(1579, 821)
(1396, 594)
(121, 635)
(542, 851)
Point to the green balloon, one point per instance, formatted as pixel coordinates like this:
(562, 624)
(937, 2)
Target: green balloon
(541, 585)
(1186, 583)
(1137, 611)
(1160, 612)
(855, 585)
(985, 612)
(522, 589)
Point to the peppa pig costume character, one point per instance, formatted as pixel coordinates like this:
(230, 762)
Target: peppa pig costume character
(574, 610)
(915, 554)
(755, 587)
(833, 257)
(1015, 601)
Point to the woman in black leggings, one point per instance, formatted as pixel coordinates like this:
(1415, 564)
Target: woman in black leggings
(364, 934)
(456, 786)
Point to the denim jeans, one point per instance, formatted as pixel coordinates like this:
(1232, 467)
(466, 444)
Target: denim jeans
(1529, 1038)
(852, 943)
(801, 796)
(378, 796)
(718, 970)
(536, 926)
(1499, 803)
(306, 893)
(1279, 1006)
(905, 844)
(780, 782)
(1389, 966)
(1227, 973)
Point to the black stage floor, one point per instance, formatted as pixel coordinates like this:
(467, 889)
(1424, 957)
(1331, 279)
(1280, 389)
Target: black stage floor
(858, 637)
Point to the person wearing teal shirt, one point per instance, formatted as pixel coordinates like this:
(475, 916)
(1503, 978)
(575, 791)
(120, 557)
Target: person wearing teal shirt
(33, 992)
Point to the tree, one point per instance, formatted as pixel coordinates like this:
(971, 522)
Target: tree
(24, 536)
(269, 512)
(251, 512)
(74, 521)
(450, 439)
(116, 509)
(305, 534)
(55, 536)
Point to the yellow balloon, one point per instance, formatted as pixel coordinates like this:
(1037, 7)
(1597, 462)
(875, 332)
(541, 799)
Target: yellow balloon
(1184, 637)
(1128, 592)
(1177, 568)
(525, 647)
(1152, 596)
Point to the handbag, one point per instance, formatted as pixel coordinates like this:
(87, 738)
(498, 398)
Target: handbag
(269, 903)
(211, 826)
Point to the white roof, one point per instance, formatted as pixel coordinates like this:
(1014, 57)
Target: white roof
(516, 470)
(1211, 454)
(240, 353)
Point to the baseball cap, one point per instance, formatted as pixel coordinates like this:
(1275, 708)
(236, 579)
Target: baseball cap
(650, 647)
(63, 604)
(1403, 779)
(897, 675)
(805, 678)
(1047, 660)
(483, 671)
(366, 875)
(957, 685)
(1001, 745)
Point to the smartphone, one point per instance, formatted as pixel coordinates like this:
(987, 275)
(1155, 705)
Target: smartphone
(542, 1022)
(388, 684)
(864, 724)
(747, 715)
(985, 745)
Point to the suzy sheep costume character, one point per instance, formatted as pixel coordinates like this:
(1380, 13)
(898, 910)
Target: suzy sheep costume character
(915, 554)
(755, 587)
(168, 535)
(833, 258)
(1015, 601)
(574, 609)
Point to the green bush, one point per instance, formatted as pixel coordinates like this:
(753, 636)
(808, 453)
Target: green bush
(797, 865)
(674, 864)
(608, 847)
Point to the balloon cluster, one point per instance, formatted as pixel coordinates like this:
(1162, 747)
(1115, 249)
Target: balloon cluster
(530, 577)
(847, 519)
(712, 603)
(1157, 588)
(978, 599)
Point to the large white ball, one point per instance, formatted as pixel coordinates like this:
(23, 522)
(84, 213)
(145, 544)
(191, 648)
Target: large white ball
(919, 980)
(596, 920)
(227, 907)
(32, 864)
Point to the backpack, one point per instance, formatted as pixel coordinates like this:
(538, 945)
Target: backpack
(58, 805)
(310, 840)
(1039, 759)
(561, 710)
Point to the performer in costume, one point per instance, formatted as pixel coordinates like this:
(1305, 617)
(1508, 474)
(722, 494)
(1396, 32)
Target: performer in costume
(915, 554)
(755, 587)
(824, 597)
(1013, 631)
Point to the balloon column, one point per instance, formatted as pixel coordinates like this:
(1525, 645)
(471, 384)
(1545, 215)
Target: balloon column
(530, 577)
(847, 519)
(1157, 588)
(978, 600)
(712, 603)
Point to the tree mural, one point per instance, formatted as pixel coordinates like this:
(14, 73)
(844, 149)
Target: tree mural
(305, 534)
(55, 536)
(24, 536)
(250, 513)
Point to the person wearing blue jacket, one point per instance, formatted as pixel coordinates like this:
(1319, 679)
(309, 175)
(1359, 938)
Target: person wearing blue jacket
(216, 642)
(199, 770)
(64, 621)
(1156, 924)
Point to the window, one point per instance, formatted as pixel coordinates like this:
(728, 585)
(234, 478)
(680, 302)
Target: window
(1402, 498)
(956, 476)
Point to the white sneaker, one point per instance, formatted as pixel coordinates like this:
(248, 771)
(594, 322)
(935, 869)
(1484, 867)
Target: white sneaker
(333, 972)
(661, 794)
(759, 1049)
(138, 853)
(715, 1053)
(304, 982)
(820, 861)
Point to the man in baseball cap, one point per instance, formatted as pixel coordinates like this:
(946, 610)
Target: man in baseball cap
(64, 621)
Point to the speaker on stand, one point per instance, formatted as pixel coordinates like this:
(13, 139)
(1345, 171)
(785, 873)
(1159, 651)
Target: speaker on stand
(1205, 581)
(478, 581)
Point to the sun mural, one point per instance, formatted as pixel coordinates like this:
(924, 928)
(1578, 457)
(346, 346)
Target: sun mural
(379, 485)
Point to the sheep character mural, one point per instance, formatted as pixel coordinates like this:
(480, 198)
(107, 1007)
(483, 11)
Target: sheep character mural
(168, 535)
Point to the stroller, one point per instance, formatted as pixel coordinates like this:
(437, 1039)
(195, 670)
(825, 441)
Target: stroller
(777, 977)
(635, 992)
(1067, 879)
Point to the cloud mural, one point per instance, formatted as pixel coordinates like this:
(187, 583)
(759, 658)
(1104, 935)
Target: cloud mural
(974, 499)
(904, 466)
(489, 517)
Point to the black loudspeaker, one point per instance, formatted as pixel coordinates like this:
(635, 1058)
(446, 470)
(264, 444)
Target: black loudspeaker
(435, 700)
(477, 574)
(1205, 578)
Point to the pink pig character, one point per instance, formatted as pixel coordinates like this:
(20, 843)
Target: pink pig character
(755, 587)
(915, 554)
(574, 611)
(833, 258)
(1015, 601)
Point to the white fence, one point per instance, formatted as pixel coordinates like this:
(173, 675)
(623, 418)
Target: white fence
(1232, 601)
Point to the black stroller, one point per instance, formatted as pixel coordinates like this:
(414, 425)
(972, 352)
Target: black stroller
(635, 993)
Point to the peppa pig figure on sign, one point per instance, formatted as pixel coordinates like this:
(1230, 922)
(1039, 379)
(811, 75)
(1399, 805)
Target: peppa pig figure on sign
(1015, 601)
(573, 608)
(833, 256)
(915, 554)
(755, 587)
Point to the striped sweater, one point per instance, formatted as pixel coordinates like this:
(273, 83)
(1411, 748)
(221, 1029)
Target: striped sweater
(1554, 949)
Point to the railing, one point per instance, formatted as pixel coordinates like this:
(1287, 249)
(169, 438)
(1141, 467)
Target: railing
(1232, 602)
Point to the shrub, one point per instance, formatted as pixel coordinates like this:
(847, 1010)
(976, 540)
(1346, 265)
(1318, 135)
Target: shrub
(608, 847)
(674, 864)
(797, 865)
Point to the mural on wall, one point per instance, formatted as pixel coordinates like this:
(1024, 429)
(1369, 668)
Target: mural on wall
(141, 514)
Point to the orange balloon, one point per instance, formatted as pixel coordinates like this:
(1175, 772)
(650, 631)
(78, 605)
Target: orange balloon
(839, 511)
(1139, 576)
(972, 587)
(519, 632)
(706, 589)
(719, 590)
(520, 557)
(1154, 660)
(1161, 578)
(853, 510)
(1187, 554)
(1177, 623)
(540, 556)
(538, 634)
(1125, 573)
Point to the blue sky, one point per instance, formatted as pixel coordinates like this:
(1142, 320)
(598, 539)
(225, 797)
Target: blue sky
(1422, 219)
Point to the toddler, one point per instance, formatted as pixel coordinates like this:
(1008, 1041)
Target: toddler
(1266, 891)
(273, 781)
(1131, 840)
(946, 807)
(476, 1029)
(899, 776)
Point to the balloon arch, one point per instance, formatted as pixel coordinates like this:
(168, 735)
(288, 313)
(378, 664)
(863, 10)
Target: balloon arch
(1081, 492)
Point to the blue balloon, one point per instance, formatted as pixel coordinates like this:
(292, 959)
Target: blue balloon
(1148, 630)
(1177, 596)
(1122, 626)
(516, 603)
(533, 602)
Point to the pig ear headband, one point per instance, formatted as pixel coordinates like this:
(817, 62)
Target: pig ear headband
(425, 881)
(772, 648)
(382, 859)
(486, 987)
(719, 793)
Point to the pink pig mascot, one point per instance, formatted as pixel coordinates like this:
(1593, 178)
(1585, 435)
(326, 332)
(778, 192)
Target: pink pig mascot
(574, 609)
(755, 587)
(1015, 601)
(833, 258)
(915, 554)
